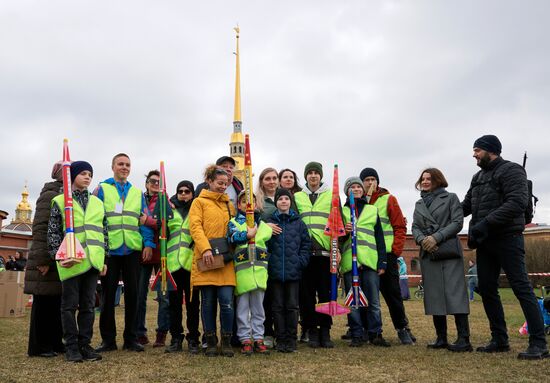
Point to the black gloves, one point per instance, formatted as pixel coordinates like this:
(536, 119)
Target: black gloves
(478, 234)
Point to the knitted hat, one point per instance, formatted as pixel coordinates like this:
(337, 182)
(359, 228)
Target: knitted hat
(352, 181)
(57, 171)
(78, 167)
(369, 172)
(489, 143)
(188, 184)
(281, 192)
(313, 166)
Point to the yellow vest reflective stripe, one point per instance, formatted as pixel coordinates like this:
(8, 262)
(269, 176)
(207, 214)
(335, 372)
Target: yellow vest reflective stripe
(367, 253)
(251, 274)
(180, 244)
(382, 206)
(123, 226)
(315, 216)
(88, 228)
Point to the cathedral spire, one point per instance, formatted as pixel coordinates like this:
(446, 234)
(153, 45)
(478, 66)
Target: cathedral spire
(237, 114)
(23, 212)
(236, 146)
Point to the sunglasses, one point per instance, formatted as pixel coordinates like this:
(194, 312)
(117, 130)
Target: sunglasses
(184, 191)
(153, 181)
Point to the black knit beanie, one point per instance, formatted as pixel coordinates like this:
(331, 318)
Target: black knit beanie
(489, 143)
(188, 184)
(78, 167)
(313, 166)
(369, 172)
(281, 192)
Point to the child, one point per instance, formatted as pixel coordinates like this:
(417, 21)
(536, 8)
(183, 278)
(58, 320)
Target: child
(79, 280)
(251, 275)
(290, 253)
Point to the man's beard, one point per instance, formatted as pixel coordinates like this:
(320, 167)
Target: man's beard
(484, 161)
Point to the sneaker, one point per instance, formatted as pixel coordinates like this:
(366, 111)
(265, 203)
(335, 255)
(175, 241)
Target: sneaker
(493, 346)
(88, 353)
(291, 345)
(269, 341)
(174, 346)
(347, 335)
(106, 346)
(356, 342)
(260, 347)
(411, 334)
(378, 340)
(304, 338)
(133, 346)
(281, 346)
(534, 352)
(404, 336)
(73, 355)
(247, 348)
(143, 340)
(193, 346)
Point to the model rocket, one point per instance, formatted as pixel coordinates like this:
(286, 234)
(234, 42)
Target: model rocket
(249, 196)
(335, 229)
(163, 281)
(355, 297)
(70, 251)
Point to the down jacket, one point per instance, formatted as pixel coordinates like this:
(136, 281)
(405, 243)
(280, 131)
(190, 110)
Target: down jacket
(35, 282)
(289, 250)
(208, 218)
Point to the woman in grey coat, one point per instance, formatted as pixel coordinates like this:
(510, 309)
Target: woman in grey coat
(437, 218)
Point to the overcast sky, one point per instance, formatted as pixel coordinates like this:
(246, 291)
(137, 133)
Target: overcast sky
(394, 85)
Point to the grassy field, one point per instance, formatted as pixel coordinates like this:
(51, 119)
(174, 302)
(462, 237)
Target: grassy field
(341, 364)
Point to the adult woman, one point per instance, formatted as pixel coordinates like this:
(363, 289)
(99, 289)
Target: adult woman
(437, 218)
(265, 192)
(42, 278)
(289, 180)
(208, 219)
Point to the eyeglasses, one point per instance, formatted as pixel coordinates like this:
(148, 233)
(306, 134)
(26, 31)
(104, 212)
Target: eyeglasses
(153, 181)
(184, 191)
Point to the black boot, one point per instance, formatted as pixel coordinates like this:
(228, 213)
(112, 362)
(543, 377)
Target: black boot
(227, 349)
(211, 344)
(462, 343)
(313, 341)
(174, 346)
(440, 323)
(73, 354)
(324, 338)
(193, 346)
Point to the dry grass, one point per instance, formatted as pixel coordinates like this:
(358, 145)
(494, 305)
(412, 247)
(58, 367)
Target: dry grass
(342, 364)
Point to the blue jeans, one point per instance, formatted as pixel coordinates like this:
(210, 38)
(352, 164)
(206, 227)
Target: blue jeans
(210, 296)
(369, 281)
(163, 314)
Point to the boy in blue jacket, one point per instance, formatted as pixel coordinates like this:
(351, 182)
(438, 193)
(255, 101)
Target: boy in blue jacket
(290, 253)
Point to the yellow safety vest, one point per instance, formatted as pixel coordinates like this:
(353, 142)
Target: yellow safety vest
(367, 253)
(251, 274)
(180, 244)
(315, 216)
(88, 229)
(382, 206)
(123, 226)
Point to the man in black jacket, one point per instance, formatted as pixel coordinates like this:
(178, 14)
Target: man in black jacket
(497, 199)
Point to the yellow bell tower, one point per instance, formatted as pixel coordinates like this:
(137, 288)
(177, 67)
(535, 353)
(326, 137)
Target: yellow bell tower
(236, 146)
(23, 212)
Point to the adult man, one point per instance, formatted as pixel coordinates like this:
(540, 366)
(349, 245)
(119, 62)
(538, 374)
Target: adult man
(497, 200)
(235, 186)
(395, 231)
(314, 203)
(124, 204)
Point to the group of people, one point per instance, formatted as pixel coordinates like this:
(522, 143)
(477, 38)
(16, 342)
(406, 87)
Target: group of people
(266, 277)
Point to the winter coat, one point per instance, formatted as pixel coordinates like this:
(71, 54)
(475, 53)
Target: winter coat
(35, 282)
(498, 194)
(208, 218)
(290, 250)
(444, 282)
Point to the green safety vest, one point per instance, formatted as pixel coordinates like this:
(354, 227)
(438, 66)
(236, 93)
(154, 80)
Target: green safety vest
(251, 274)
(367, 253)
(382, 206)
(180, 244)
(123, 226)
(315, 216)
(88, 229)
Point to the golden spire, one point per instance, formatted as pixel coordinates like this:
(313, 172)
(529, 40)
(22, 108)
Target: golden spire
(23, 211)
(237, 114)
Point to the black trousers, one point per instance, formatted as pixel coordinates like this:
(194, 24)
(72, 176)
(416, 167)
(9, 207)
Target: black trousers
(128, 266)
(391, 291)
(507, 253)
(268, 303)
(461, 322)
(78, 293)
(182, 278)
(316, 289)
(45, 330)
(285, 296)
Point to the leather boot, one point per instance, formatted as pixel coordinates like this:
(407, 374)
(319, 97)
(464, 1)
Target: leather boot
(211, 344)
(175, 346)
(324, 338)
(462, 343)
(440, 323)
(313, 341)
(160, 341)
(227, 349)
